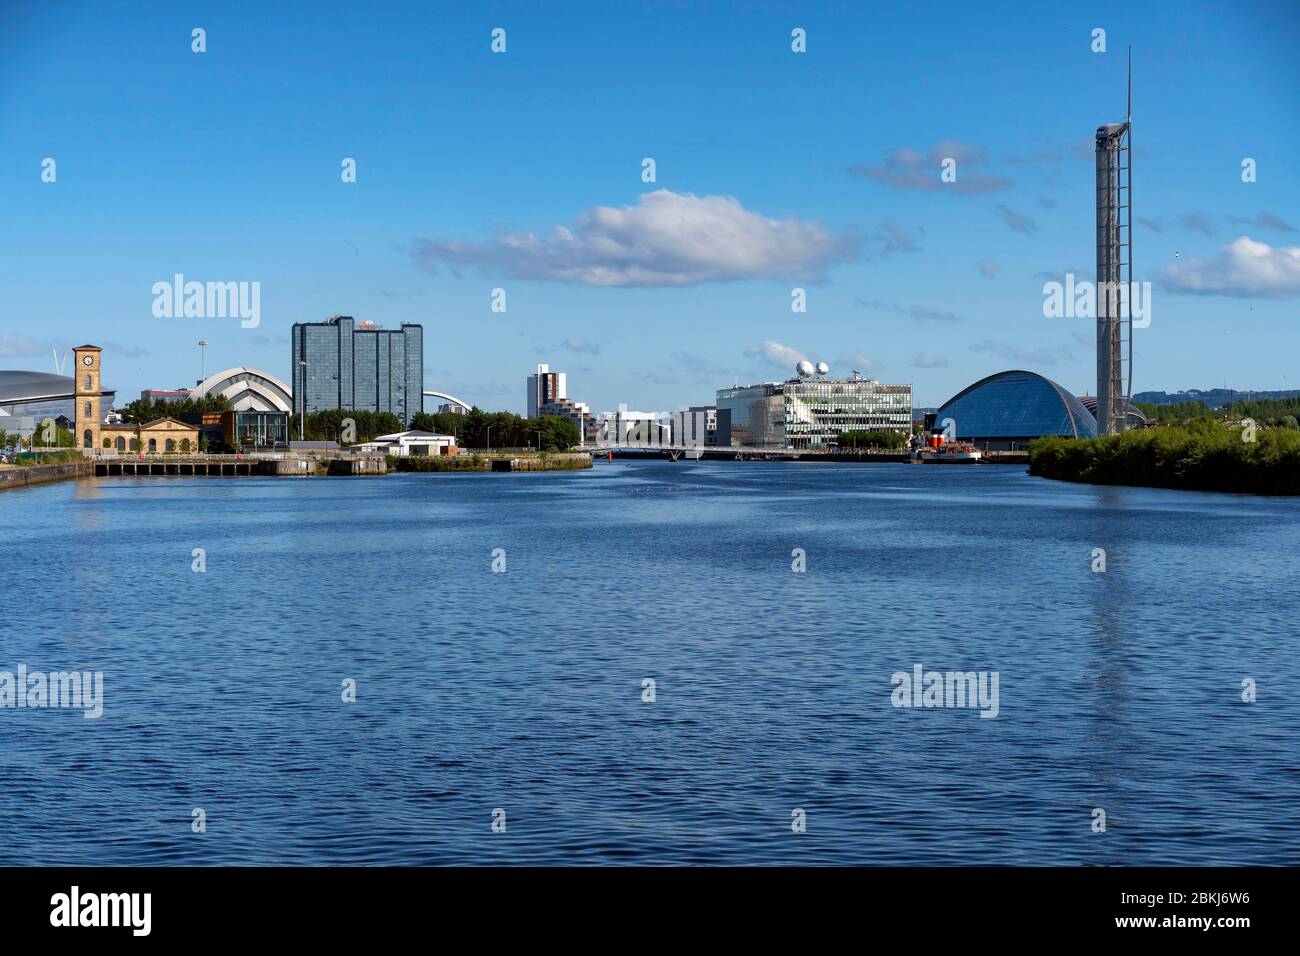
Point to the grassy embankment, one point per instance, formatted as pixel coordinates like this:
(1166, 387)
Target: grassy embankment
(1199, 456)
(29, 459)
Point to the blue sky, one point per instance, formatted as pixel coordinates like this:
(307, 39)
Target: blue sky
(777, 169)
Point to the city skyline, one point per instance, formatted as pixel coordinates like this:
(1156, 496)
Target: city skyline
(690, 434)
(528, 184)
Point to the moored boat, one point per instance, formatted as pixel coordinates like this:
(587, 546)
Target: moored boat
(952, 453)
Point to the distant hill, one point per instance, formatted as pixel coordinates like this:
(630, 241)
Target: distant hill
(1214, 397)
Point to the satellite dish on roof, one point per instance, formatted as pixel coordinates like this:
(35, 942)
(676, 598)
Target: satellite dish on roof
(822, 368)
(804, 368)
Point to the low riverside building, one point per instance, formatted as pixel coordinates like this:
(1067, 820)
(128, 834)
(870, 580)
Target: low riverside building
(705, 425)
(241, 431)
(808, 412)
(255, 430)
(418, 443)
(160, 436)
(95, 436)
(626, 428)
(165, 394)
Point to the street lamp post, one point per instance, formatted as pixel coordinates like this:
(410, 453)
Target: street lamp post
(203, 360)
(539, 440)
(489, 438)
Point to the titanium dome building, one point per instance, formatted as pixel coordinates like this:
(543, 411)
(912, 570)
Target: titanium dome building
(248, 389)
(1005, 410)
(1133, 416)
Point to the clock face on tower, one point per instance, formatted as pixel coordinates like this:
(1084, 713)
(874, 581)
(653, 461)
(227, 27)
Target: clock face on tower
(88, 360)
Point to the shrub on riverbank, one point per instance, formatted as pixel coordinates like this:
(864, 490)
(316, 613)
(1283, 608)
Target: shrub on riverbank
(28, 459)
(1200, 456)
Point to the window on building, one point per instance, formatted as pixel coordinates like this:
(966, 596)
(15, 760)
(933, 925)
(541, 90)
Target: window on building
(88, 385)
(121, 443)
(171, 445)
(88, 439)
(153, 445)
(88, 411)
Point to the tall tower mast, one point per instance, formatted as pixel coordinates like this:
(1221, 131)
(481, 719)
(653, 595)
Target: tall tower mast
(1114, 269)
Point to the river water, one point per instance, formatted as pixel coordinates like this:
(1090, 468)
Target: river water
(520, 695)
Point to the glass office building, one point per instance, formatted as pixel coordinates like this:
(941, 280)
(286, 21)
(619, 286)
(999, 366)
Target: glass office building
(811, 413)
(358, 366)
(255, 430)
(1004, 411)
(757, 414)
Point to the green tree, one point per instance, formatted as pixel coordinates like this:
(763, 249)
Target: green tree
(558, 433)
(329, 425)
(144, 410)
(850, 440)
(50, 435)
(441, 423)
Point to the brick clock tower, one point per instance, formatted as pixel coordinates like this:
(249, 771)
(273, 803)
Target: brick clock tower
(87, 391)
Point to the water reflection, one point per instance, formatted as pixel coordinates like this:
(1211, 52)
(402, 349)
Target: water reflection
(478, 689)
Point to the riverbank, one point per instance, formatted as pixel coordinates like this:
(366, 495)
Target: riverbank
(23, 476)
(507, 461)
(1200, 456)
(782, 454)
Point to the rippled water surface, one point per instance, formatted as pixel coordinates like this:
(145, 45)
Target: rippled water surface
(523, 691)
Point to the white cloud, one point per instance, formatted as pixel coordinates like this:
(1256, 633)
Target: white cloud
(1015, 221)
(667, 239)
(911, 311)
(907, 169)
(1265, 220)
(926, 360)
(1026, 357)
(16, 345)
(860, 361)
(1243, 268)
(891, 237)
(776, 354)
